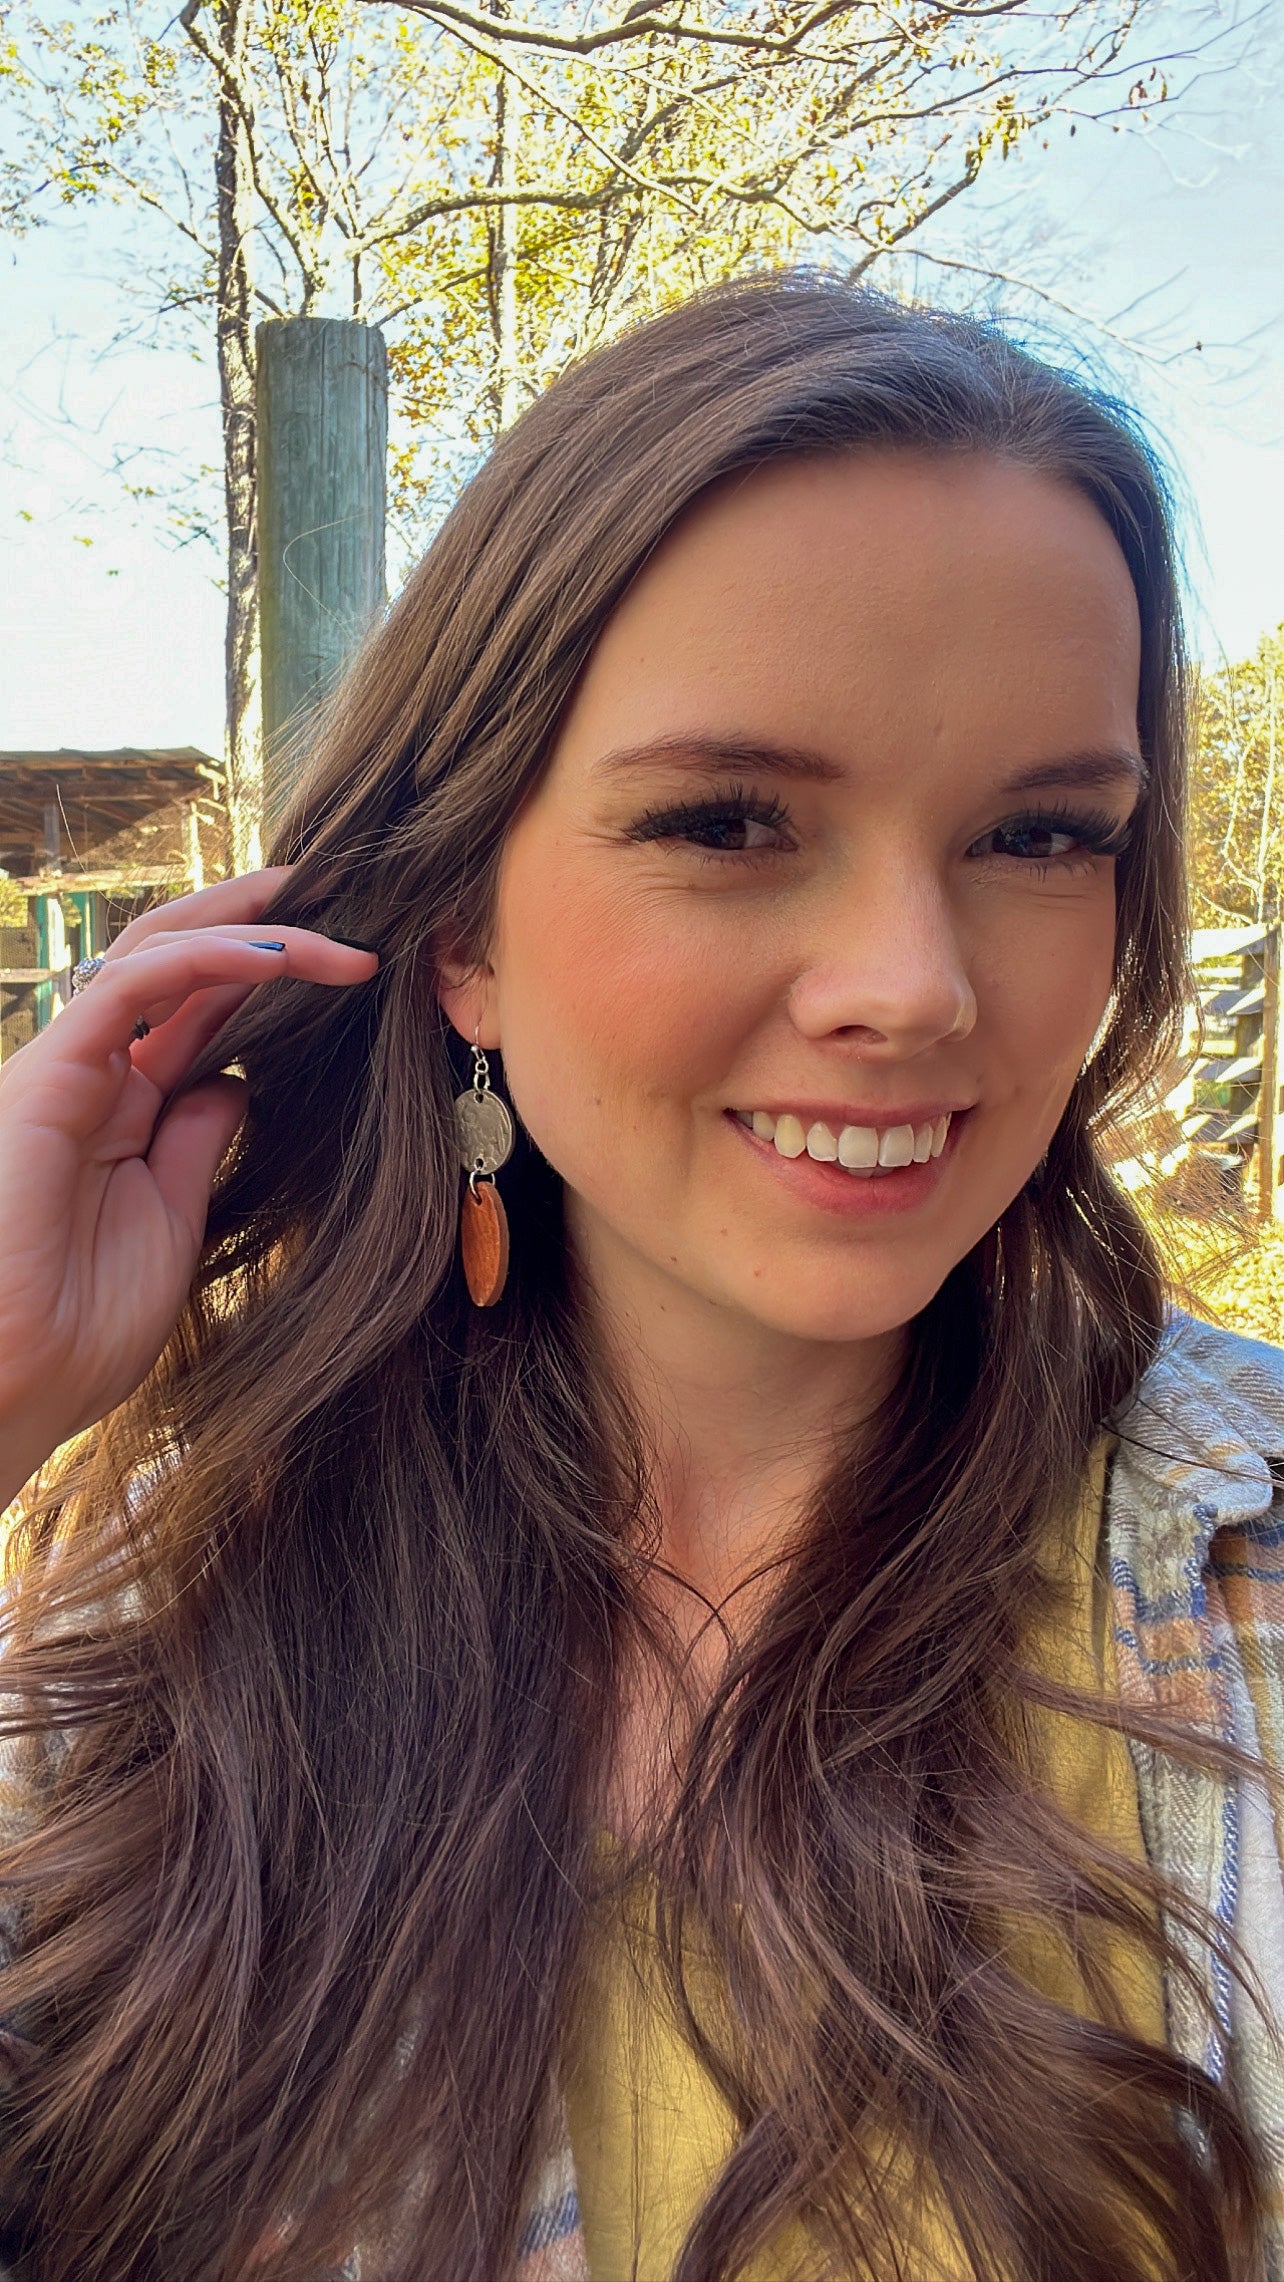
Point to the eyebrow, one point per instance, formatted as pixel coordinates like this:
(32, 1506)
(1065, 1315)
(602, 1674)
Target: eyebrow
(1099, 766)
(716, 753)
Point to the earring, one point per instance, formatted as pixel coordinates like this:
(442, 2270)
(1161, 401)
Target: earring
(484, 1133)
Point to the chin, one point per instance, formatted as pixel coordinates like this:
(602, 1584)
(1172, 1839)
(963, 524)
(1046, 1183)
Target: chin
(844, 1310)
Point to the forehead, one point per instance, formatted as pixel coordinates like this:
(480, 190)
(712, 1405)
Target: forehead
(879, 599)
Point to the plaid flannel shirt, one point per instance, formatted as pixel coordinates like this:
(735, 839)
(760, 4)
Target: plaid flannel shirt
(1195, 1540)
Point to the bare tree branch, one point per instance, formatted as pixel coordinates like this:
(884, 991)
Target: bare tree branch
(672, 27)
(229, 80)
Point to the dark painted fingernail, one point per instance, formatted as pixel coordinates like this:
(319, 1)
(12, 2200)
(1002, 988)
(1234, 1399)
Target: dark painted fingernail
(267, 946)
(350, 943)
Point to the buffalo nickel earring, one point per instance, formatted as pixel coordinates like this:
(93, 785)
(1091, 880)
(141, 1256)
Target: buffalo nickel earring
(484, 1133)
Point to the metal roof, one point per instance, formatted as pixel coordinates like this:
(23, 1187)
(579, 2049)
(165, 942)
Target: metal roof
(96, 795)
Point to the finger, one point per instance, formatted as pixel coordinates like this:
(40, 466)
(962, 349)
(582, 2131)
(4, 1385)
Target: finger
(301, 954)
(299, 943)
(149, 985)
(173, 1046)
(177, 1038)
(189, 1145)
(226, 901)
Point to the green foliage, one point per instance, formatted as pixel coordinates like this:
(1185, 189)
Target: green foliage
(1237, 788)
(13, 903)
(501, 186)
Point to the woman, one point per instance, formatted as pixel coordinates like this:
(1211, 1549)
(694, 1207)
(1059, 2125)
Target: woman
(711, 1737)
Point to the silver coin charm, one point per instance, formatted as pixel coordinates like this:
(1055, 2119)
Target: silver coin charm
(483, 1130)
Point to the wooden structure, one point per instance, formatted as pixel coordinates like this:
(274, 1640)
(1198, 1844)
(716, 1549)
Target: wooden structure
(72, 845)
(321, 421)
(1218, 1137)
(75, 827)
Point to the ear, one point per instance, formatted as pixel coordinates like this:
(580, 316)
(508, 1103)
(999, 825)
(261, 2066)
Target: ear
(466, 996)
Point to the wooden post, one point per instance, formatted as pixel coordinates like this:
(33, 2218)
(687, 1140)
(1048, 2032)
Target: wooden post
(51, 934)
(322, 425)
(1270, 1116)
(92, 910)
(192, 836)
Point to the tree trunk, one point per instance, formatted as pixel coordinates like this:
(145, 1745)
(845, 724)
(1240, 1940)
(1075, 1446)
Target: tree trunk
(244, 755)
(1267, 891)
(503, 245)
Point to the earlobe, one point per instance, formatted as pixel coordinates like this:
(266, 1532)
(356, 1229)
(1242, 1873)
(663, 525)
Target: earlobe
(465, 995)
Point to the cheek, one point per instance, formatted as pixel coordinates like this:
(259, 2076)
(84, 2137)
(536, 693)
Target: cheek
(1043, 998)
(612, 1001)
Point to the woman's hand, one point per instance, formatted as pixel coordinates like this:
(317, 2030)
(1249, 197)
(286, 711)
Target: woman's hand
(103, 1189)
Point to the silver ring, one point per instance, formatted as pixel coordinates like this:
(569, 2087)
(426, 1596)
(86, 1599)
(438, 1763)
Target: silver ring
(83, 974)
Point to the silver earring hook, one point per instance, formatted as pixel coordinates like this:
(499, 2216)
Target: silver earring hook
(481, 1067)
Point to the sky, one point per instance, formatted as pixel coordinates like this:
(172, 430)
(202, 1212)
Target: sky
(1159, 250)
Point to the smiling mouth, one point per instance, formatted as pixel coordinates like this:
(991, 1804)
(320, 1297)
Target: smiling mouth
(861, 1150)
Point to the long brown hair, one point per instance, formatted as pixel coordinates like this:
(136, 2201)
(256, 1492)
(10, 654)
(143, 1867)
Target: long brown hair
(327, 1618)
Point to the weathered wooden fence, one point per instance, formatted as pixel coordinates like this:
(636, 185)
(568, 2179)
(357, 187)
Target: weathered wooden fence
(1218, 1137)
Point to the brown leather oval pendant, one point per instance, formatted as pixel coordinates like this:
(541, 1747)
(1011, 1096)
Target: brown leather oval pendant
(483, 1242)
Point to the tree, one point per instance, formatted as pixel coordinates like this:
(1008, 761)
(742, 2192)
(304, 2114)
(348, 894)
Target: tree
(1237, 788)
(234, 195)
(246, 132)
(652, 148)
(501, 189)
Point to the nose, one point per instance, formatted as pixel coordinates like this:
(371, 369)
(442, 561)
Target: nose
(887, 976)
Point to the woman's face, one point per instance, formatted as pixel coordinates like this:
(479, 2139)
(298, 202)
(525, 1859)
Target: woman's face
(820, 880)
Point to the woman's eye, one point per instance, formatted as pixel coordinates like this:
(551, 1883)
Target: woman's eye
(1052, 839)
(738, 824)
(732, 834)
(1039, 842)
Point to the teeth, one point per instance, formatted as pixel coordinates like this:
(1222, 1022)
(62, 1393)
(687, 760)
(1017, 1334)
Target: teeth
(897, 1146)
(858, 1148)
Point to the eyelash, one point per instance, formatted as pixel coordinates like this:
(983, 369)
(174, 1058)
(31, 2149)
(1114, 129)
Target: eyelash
(1097, 832)
(737, 805)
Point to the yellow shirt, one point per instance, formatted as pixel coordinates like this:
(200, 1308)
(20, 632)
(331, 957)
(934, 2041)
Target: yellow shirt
(649, 2132)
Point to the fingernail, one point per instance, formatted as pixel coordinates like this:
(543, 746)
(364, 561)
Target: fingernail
(350, 943)
(267, 946)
